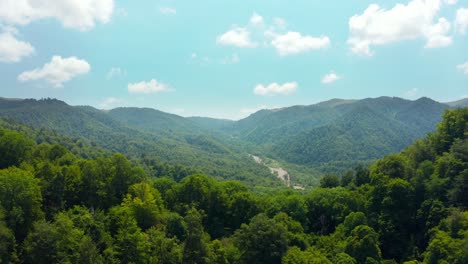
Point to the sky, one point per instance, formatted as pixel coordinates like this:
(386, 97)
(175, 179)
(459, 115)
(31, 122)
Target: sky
(228, 59)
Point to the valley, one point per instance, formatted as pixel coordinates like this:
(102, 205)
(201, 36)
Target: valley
(304, 142)
(282, 174)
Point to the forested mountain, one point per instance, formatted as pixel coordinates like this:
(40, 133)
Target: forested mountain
(327, 137)
(58, 205)
(166, 136)
(458, 103)
(337, 134)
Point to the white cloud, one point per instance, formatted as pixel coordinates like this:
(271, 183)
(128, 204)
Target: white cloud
(461, 20)
(167, 10)
(378, 26)
(411, 94)
(294, 43)
(12, 49)
(280, 23)
(275, 88)
(463, 67)
(152, 86)
(116, 72)
(79, 14)
(233, 59)
(436, 34)
(108, 102)
(57, 71)
(238, 36)
(451, 2)
(330, 78)
(256, 19)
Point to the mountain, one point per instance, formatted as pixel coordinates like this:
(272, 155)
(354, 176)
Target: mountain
(337, 134)
(139, 133)
(459, 103)
(151, 120)
(307, 141)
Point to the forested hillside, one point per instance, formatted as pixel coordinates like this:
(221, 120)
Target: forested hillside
(58, 205)
(333, 135)
(171, 138)
(307, 141)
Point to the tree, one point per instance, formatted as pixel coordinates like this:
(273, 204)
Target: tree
(261, 241)
(131, 244)
(146, 204)
(20, 196)
(393, 166)
(163, 250)
(452, 127)
(14, 147)
(7, 241)
(363, 244)
(59, 242)
(195, 246)
(329, 181)
(310, 256)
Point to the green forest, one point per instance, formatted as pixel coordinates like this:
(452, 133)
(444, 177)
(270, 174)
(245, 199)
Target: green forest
(65, 201)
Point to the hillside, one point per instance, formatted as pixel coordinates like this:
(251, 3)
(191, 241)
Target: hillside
(333, 135)
(139, 139)
(307, 141)
(58, 207)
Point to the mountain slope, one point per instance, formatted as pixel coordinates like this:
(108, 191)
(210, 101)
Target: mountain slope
(337, 134)
(97, 127)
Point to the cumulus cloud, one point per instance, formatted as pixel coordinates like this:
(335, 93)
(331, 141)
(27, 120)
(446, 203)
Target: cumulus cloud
(57, 71)
(256, 19)
(108, 102)
(273, 34)
(294, 43)
(275, 88)
(116, 72)
(150, 87)
(436, 34)
(279, 23)
(378, 26)
(78, 14)
(463, 67)
(167, 10)
(12, 49)
(238, 36)
(330, 78)
(461, 20)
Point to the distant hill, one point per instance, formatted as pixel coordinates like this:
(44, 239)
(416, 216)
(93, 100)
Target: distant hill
(340, 133)
(306, 140)
(459, 103)
(139, 133)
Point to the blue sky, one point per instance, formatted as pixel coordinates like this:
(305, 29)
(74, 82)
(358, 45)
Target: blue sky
(230, 58)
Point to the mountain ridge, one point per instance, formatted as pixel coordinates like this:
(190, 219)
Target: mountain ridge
(306, 140)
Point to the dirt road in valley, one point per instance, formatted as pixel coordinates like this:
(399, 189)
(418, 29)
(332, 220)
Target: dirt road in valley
(281, 173)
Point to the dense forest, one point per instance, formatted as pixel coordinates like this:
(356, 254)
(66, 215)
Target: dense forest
(62, 201)
(307, 141)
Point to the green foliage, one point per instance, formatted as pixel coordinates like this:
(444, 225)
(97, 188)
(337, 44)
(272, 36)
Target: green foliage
(195, 246)
(59, 242)
(20, 197)
(15, 148)
(263, 240)
(329, 181)
(59, 206)
(363, 244)
(310, 256)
